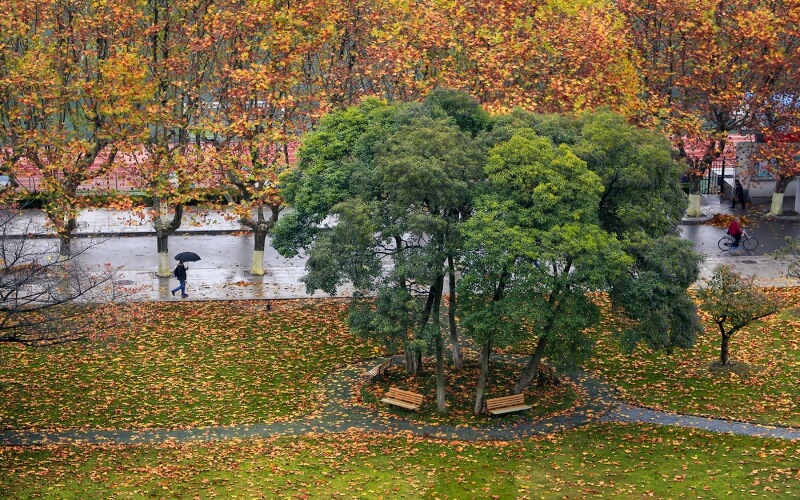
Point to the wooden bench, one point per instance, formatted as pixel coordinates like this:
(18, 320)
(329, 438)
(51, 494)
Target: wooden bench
(378, 371)
(506, 404)
(404, 399)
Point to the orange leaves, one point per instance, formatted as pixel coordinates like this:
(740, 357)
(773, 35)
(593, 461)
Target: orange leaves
(184, 364)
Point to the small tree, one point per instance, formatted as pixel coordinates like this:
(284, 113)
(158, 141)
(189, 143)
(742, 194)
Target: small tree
(734, 303)
(45, 299)
(790, 255)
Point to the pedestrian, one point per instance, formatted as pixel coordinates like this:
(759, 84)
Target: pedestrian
(180, 273)
(738, 194)
(735, 230)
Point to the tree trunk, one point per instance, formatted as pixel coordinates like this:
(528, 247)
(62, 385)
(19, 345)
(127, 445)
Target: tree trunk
(413, 361)
(486, 353)
(441, 405)
(64, 246)
(259, 244)
(162, 245)
(261, 227)
(777, 204)
(533, 366)
(458, 359)
(164, 228)
(693, 210)
(781, 183)
(723, 354)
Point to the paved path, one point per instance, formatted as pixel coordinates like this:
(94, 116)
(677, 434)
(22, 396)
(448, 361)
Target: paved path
(340, 413)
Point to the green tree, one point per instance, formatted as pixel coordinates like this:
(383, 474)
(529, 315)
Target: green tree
(733, 302)
(642, 204)
(398, 181)
(535, 252)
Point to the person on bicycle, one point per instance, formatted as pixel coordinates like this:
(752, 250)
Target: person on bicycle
(735, 230)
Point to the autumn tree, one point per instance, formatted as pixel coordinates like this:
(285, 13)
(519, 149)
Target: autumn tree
(178, 49)
(69, 87)
(540, 56)
(779, 155)
(734, 303)
(710, 67)
(264, 101)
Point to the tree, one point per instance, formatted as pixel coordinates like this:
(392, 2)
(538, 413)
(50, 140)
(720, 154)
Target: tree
(265, 99)
(535, 252)
(710, 67)
(45, 299)
(69, 86)
(779, 155)
(789, 254)
(178, 48)
(400, 183)
(733, 302)
(642, 205)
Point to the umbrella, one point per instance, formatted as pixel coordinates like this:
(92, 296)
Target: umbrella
(187, 257)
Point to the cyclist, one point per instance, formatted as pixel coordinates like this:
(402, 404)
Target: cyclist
(735, 230)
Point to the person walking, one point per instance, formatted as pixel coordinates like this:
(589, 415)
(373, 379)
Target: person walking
(738, 194)
(180, 273)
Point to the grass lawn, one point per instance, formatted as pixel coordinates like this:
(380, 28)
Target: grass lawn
(608, 461)
(183, 364)
(762, 387)
(218, 363)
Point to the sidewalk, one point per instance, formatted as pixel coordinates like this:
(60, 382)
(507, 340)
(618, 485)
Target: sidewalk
(102, 222)
(759, 264)
(229, 278)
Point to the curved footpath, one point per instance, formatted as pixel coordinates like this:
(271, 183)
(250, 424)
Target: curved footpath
(339, 413)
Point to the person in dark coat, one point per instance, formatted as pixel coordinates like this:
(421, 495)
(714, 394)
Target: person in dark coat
(738, 194)
(180, 273)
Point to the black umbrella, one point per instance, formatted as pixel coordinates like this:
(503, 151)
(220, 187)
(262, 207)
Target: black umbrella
(187, 257)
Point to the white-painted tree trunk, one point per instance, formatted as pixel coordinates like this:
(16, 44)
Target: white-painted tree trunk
(164, 268)
(777, 204)
(797, 197)
(693, 210)
(257, 266)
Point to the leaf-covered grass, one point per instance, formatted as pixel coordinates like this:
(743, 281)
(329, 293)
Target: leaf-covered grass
(460, 394)
(604, 461)
(761, 385)
(183, 364)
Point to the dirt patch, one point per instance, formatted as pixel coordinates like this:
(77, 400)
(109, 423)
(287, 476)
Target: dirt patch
(743, 370)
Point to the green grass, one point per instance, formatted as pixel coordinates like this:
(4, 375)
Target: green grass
(223, 363)
(187, 364)
(608, 461)
(762, 386)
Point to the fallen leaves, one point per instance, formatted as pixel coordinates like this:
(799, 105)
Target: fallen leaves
(198, 364)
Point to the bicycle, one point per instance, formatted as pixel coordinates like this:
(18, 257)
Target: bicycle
(747, 242)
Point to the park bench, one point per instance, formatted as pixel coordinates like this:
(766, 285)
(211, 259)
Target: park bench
(404, 399)
(506, 404)
(378, 371)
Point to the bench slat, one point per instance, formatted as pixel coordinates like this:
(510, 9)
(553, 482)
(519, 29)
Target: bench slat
(507, 404)
(402, 404)
(509, 409)
(404, 399)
